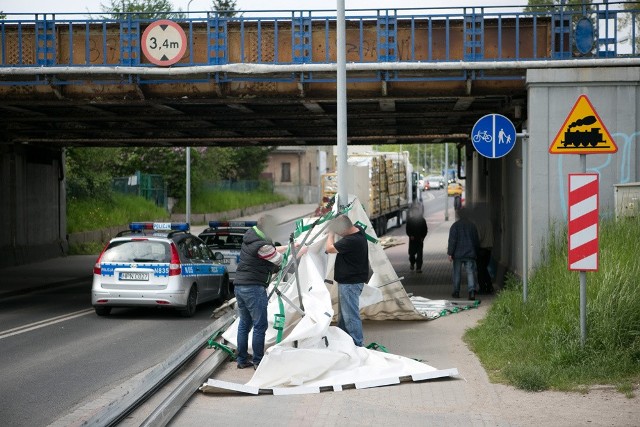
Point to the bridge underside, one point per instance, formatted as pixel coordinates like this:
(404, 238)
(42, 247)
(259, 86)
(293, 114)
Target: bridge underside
(245, 113)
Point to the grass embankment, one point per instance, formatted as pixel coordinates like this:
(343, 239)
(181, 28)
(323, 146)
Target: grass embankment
(85, 215)
(536, 346)
(221, 201)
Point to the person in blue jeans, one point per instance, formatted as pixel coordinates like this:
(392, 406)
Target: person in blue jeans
(463, 250)
(351, 271)
(259, 260)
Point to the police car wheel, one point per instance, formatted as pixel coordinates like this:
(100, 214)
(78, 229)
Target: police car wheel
(103, 311)
(225, 289)
(192, 301)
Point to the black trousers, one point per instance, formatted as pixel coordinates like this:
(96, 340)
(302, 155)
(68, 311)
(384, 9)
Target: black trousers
(484, 279)
(415, 253)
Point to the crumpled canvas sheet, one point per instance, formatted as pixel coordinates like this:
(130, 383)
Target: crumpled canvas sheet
(313, 354)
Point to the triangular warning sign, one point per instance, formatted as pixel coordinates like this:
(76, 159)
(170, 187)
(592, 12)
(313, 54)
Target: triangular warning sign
(583, 132)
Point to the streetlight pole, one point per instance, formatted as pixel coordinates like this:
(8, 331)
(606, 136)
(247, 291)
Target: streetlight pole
(341, 117)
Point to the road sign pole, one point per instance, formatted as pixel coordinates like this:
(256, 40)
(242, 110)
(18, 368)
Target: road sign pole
(446, 180)
(583, 278)
(525, 215)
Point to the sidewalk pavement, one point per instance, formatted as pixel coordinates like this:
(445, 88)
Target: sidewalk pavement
(73, 269)
(468, 400)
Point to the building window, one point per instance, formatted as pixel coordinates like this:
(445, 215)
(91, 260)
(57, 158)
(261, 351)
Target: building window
(286, 172)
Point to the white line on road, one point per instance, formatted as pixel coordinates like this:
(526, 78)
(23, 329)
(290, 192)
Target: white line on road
(42, 323)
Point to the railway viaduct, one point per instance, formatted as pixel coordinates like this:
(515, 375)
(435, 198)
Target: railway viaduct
(268, 78)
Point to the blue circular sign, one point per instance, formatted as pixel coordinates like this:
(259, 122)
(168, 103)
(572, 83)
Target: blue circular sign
(493, 136)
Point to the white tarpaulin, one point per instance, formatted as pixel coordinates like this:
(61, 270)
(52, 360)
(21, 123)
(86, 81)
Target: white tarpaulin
(314, 354)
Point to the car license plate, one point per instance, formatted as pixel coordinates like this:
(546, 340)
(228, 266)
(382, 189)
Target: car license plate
(134, 276)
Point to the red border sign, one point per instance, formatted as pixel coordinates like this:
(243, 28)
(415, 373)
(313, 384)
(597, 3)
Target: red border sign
(583, 221)
(583, 132)
(164, 42)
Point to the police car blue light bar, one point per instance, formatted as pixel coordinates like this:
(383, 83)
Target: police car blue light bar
(231, 224)
(159, 226)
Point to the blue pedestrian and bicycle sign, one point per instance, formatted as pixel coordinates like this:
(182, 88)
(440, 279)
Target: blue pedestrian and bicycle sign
(493, 136)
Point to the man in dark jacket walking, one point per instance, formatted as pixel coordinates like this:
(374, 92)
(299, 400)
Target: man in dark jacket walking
(463, 250)
(259, 260)
(417, 231)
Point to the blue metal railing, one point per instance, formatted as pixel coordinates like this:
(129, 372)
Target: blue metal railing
(479, 34)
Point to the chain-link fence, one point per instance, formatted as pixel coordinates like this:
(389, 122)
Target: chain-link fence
(149, 186)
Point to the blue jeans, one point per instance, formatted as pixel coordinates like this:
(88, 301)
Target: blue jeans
(470, 266)
(252, 307)
(349, 310)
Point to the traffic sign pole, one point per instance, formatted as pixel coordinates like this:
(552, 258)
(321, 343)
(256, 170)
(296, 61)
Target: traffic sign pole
(583, 278)
(525, 214)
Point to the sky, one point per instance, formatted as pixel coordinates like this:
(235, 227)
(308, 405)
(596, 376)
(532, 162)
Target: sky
(60, 6)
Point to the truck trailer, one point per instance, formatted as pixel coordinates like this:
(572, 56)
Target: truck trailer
(382, 183)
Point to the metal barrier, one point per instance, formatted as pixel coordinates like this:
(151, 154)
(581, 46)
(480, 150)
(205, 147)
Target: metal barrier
(479, 34)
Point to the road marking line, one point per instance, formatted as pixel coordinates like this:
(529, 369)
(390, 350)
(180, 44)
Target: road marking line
(42, 323)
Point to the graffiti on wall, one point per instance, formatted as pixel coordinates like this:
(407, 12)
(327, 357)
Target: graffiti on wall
(625, 143)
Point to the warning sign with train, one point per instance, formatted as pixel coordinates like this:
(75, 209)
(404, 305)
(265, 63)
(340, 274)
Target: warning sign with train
(583, 132)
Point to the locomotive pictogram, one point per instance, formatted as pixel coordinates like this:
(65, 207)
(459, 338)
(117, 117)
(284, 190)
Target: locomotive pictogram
(583, 132)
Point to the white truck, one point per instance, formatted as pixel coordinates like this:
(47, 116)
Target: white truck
(382, 183)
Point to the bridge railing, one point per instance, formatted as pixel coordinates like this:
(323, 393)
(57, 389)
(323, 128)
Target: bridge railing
(477, 34)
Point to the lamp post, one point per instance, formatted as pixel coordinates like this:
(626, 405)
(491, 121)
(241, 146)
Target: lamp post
(341, 117)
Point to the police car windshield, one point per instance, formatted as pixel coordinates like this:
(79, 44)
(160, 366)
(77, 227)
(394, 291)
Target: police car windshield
(223, 241)
(137, 251)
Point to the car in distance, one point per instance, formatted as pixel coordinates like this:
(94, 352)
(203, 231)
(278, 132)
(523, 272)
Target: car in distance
(454, 189)
(157, 265)
(226, 237)
(435, 182)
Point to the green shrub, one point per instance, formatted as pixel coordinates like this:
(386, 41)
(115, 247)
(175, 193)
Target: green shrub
(536, 345)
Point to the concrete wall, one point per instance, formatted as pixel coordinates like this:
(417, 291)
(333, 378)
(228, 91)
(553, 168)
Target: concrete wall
(33, 215)
(615, 95)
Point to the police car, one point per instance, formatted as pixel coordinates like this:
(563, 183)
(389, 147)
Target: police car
(226, 237)
(157, 264)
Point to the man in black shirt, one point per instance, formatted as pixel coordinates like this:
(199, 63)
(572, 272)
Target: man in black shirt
(351, 271)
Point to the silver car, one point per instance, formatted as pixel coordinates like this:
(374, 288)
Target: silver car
(160, 265)
(226, 237)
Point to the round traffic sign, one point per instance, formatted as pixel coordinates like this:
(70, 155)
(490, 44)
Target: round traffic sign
(493, 136)
(164, 42)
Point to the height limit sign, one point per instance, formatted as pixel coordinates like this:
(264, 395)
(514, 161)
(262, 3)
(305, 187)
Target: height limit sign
(164, 42)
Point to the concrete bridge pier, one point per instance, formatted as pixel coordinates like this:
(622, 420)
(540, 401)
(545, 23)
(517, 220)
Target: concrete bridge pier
(33, 217)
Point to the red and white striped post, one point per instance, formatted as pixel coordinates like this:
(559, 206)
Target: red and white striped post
(583, 222)
(583, 234)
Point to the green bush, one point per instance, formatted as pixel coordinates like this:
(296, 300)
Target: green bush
(536, 345)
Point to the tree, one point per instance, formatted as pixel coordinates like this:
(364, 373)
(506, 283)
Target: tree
(550, 5)
(89, 171)
(142, 9)
(225, 8)
(627, 21)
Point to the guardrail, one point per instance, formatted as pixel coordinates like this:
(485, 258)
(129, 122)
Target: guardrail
(431, 35)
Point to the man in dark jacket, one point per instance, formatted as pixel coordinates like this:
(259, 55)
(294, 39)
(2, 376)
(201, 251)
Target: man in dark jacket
(463, 250)
(417, 231)
(259, 260)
